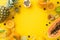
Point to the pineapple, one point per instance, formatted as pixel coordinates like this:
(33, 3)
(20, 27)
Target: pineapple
(4, 13)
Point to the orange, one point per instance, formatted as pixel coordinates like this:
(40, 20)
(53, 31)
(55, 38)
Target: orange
(10, 24)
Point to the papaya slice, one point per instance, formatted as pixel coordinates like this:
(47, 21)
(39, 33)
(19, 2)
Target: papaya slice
(14, 36)
(54, 29)
(42, 3)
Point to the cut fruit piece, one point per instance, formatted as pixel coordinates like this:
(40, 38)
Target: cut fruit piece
(51, 6)
(14, 36)
(54, 30)
(51, 17)
(27, 3)
(10, 24)
(43, 4)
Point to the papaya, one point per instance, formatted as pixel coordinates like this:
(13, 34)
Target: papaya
(42, 3)
(14, 36)
(54, 29)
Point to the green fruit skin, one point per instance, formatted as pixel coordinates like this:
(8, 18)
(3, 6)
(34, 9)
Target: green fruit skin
(57, 9)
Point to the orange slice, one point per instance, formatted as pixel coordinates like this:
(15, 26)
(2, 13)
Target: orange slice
(9, 24)
(51, 6)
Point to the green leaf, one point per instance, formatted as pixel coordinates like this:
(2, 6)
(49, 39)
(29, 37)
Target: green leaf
(1, 31)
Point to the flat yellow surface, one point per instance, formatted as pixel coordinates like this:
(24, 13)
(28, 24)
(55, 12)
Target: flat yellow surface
(32, 21)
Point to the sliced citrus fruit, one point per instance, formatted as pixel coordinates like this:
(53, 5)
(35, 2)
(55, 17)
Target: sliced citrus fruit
(51, 6)
(9, 24)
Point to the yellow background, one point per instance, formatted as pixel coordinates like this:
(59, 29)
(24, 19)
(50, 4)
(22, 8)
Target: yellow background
(32, 21)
